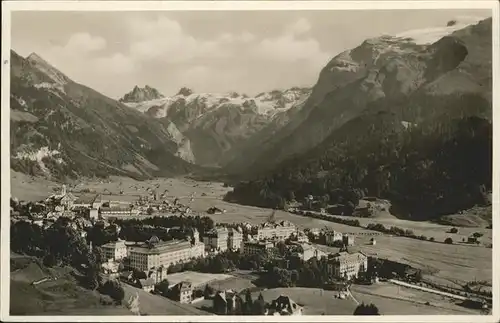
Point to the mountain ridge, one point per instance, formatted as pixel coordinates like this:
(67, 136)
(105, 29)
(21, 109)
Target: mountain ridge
(384, 70)
(218, 125)
(60, 128)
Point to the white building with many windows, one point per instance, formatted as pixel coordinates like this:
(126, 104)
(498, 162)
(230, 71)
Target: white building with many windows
(272, 230)
(347, 265)
(235, 239)
(116, 250)
(251, 247)
(155, 253)
(216, 239)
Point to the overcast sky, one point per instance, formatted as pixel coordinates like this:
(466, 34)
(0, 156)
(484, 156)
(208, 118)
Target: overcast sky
(244, 51)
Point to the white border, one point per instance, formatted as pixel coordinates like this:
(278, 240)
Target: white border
(7, 7)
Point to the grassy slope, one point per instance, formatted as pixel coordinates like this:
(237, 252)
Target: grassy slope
(60, 297)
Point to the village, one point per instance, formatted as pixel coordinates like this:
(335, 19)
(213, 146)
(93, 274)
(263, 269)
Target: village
(197, 268)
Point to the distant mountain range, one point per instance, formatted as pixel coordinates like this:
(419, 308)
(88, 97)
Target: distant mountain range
(392, 118)
(372, 105)
(60, 128)
(219, 126)
(416, 80)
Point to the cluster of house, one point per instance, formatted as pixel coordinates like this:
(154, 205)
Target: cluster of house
(230, 302)
(105, 206)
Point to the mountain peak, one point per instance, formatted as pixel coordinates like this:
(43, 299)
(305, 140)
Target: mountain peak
(184, 91)
(138, 94)
(41, 64)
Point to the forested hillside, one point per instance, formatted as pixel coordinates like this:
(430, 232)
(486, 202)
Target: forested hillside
(437, 167)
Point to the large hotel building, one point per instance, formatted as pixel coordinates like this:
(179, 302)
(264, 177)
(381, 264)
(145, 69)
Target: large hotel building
(155, 253)
(271, 230)
(347, 265)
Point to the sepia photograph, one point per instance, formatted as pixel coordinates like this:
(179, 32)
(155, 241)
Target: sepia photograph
(229, 161)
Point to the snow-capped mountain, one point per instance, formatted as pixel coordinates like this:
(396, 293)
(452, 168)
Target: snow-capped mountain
(418, 74)
(217, 124)
(266, 103)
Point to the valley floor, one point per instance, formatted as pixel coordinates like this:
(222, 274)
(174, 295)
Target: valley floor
(445, 264)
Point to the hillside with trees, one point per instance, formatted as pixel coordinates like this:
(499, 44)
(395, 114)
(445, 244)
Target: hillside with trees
(440, 166)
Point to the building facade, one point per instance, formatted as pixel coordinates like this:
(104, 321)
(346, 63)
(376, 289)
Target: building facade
(117, 211)
(284, 305)
(216, 239)
(183, 292)
(114, 250)
(256, 247)
(279, 231)
(333, 237)
(348, 240)
(155, 253)
(235, 239)
(347, 265)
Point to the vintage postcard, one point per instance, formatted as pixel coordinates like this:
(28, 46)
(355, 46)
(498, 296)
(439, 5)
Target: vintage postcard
(249, 161)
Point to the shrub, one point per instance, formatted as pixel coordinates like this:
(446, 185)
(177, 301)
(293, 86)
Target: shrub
(114, 290)
(363, 309)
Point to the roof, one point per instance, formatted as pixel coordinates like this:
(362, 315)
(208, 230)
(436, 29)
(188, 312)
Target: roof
(217, 231)
(126, 273)
(344, 256)
(115, 209)
(183, 286)
(259, 243)
(147, 282)
(284, 303)
(161, 247)
(283, 223)
(113, 244)
(224, 295)
(86, 199)
(119, 198)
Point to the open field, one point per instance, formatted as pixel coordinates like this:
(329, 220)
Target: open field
(394, 300)
(196, 278)
(441, 263)
(235, 283)
(429, 229)
(150, 304)
(29, 188)
(446, 264)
